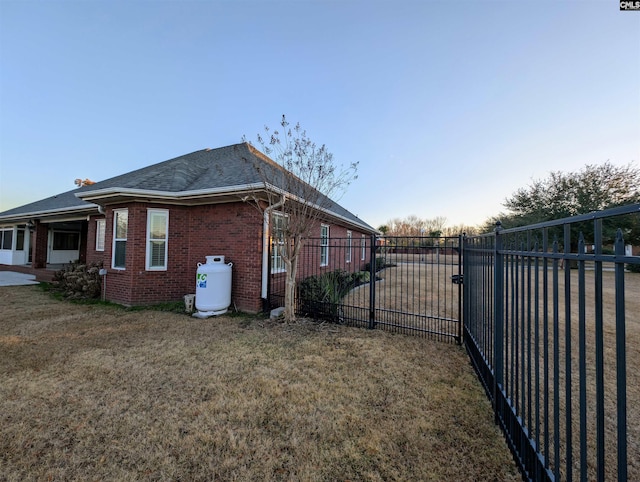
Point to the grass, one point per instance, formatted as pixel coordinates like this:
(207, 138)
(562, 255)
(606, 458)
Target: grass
(414, 286)
(101, 393)
(527, 395)
(632, 388)
(413, 292)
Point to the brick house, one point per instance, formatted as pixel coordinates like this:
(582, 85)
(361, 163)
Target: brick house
(149, 228)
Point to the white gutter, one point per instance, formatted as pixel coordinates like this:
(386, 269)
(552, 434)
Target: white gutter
(109, 191)
(49, 213)
(93, 195)
(265, 245)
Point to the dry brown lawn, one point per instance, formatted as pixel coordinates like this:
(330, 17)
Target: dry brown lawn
(632, 387)
(426, 289)
(101, 393)
(414, 292)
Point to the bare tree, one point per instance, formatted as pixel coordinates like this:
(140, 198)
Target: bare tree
(300, 189)
(414, 226)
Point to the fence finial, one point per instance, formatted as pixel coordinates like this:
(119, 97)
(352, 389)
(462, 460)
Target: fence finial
(498, 226)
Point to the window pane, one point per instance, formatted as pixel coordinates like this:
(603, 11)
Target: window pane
(278, 226)
(122, 219)
(158, 228)
(100, 234)
(66, 241)
(119, 254)
(20, 240)
(157, 223)
(157, 254)
(324, 245)
(280, 261)
(7, 239)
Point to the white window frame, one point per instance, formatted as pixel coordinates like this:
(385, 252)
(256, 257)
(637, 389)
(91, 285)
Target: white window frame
(20, 232)
(101, 231)
(363, 250)
(348, 257)
(3, 234)
(324, 245)
(116, 240)
(277, 245)
(151, 213)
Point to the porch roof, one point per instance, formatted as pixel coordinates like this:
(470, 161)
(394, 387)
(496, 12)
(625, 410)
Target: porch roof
(59, 206)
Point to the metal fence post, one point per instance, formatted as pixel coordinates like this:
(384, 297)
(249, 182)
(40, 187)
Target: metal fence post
(372, 283)
(461, 239)
(621, 358)
(498, 321)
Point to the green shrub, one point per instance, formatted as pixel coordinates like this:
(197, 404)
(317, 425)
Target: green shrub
(380, 264)
(361, 277)
(320, 296)
(633, 268)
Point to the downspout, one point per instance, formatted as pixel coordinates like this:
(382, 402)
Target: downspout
(265, 245)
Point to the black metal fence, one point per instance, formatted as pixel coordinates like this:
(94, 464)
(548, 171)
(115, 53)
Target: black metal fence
(412, 286)
(552, 325)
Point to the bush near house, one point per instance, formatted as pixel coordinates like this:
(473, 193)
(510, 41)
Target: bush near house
(320, 295)
(79, 281)
(633, 268)
(380, 264)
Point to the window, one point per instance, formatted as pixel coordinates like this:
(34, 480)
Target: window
(6, 238)
(157, 231)
(20, 240)
(348, 257)
(363, 250)
(101, 225)
(66, 241)
(120, 225)
(278, 222)
(324, 245)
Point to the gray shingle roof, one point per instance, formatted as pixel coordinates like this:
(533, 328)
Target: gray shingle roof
(207, 169)
(66, 201)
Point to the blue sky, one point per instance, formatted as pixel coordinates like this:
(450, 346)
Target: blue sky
(449, 107)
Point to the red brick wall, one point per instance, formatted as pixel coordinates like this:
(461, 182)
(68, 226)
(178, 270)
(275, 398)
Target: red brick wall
(40, 241)
(231, 230)
(94, 256)
(235, 232)
(338, 250)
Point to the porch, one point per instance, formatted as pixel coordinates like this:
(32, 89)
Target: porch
(42, 274)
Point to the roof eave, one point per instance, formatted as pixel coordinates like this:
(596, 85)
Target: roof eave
(115, 194)
(328, 212)
(52, 213)
(111, 194)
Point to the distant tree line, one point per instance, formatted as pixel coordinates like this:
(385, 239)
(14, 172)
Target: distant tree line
(415, 226)
(562, 194)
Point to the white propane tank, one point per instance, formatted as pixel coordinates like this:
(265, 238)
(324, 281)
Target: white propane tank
(213, 286)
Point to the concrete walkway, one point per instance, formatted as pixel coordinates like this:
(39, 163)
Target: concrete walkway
(11, 278)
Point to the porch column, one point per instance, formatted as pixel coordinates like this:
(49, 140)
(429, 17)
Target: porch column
(39, 247)
(82, 249)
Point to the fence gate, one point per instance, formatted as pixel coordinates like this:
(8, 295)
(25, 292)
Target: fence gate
(413, 285)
